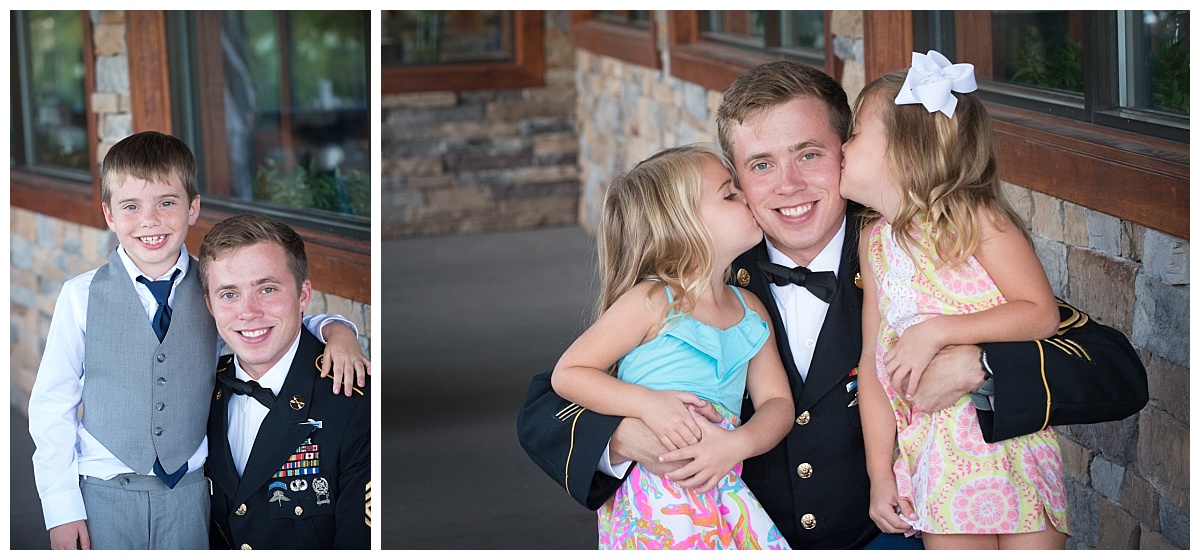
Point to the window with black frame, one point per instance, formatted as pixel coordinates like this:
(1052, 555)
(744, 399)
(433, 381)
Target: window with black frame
(277, 107)
(797, 34)
(48, 105)
(1126, 69)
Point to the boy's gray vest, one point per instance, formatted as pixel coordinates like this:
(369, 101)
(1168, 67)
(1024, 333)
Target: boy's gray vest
(142, 398)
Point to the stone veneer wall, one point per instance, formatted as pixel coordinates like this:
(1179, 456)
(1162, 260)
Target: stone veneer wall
(1127, 482)
(628, 112)
(487, 160)
(45, 252)
(110, 101)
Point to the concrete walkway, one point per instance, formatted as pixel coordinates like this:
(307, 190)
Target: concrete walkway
(26, 526)
(466, 321)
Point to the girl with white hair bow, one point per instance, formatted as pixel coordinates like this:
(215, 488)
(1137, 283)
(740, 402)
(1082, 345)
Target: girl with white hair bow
(945, 261)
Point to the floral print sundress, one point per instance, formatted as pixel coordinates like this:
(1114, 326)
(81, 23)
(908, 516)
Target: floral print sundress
(957, 482)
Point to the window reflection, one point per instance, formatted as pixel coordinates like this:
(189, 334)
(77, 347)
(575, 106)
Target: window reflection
(285, 117)
(1039, 48)
(444, 36)
(1158, 48)
(55, 112)
(793, 33)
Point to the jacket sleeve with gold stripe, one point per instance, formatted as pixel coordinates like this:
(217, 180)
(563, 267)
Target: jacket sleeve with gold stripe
(566, 441)
(1085, 373)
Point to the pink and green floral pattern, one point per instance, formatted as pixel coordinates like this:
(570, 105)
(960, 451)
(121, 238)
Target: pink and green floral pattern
(957, 482)
(648, 512)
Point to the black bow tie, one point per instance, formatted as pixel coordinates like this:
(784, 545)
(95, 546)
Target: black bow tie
(261, 394)
(821, 284)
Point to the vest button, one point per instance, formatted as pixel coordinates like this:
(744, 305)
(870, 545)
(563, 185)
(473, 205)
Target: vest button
(162, 381)
(160, 406)
(158, 431)
(161, 358)
(241, 510)
(803, 418)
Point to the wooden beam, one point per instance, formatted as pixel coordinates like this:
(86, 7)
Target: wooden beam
(887, 41)
(149, 74)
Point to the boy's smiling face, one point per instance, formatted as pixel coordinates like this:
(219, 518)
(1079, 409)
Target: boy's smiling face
(151, 220)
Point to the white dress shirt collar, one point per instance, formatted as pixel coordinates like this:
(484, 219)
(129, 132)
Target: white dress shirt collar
(132, 270)
(275, 376)
(830, 257)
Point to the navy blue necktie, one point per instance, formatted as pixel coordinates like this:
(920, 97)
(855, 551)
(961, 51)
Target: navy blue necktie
(161, 289)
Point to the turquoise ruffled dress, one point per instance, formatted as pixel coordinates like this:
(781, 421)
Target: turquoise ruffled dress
(648, 512)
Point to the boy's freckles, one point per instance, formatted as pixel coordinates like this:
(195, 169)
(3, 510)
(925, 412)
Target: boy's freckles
(151, 220)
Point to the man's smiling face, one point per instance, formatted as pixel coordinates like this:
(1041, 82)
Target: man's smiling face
(255, 300)
(788, 161)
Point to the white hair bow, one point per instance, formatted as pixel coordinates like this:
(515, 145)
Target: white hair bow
(932, 78)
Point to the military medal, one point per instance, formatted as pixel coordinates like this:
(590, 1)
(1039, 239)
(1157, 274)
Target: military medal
(297, 402)
(277, 495)
(299, 485)
(321, 487)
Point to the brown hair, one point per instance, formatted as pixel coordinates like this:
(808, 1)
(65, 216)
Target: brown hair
(650, 227)
(244, 230)
(945, 166)
(776, 83)
(149, 156)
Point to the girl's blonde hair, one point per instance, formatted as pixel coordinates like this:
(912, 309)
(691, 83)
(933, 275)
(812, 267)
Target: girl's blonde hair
(651, 228)
(946, 168)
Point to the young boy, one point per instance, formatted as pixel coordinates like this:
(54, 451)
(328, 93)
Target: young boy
(128, 474)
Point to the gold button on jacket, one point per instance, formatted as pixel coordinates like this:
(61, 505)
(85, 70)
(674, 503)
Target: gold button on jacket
(805, 470)
(246, 546)
(299, 510)
(803, 418)
(808, 521)
(241, 510)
